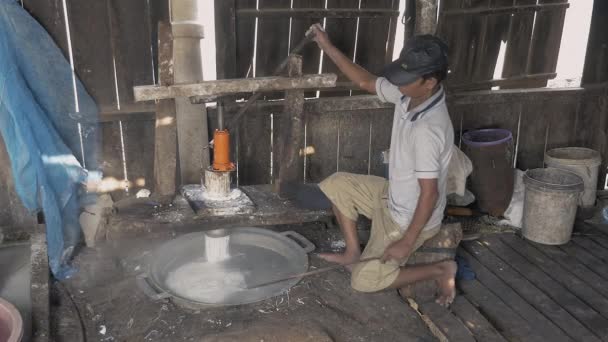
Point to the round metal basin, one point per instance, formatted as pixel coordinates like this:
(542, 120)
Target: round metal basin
(256, 255)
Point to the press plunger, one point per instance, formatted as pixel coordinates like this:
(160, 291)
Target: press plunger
(221, 140)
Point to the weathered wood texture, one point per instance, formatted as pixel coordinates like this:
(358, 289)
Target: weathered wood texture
(111, 42)
(596, 62)
(426, 16)
(475, 30)
(225, 38)
(349, 134)
(225, 87)
(318, 13)
(342, 33)
(245, 40)
(272, 42)
(40, 287)
(291, 135)
(138, 217)
(374, 39)
(311, 55)
(165, 132)
(13, 215)
(555, 289)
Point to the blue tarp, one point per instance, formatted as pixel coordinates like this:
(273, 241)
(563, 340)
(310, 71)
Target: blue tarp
(39, 124)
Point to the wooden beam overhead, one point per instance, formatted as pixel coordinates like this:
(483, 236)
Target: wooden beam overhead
(508, 9)
(504, 82)
(234, 86)
(318, 12)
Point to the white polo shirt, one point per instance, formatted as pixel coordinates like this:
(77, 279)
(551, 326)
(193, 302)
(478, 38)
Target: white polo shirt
(421, 148)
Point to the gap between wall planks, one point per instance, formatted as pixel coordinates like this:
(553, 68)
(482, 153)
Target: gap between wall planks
(113, 46)
(533, 40)
(343, 34)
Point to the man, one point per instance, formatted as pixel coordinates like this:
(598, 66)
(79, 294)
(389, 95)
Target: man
(407, 209)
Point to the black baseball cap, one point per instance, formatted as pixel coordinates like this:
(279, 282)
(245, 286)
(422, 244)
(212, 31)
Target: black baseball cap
(421, 55)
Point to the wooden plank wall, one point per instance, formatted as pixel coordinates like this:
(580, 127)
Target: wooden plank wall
(538, 121)
(351, 140)
(475, 30)
(596, 60)
(114, 47)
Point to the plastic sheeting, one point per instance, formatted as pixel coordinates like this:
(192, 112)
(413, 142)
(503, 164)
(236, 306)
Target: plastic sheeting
(39, 116)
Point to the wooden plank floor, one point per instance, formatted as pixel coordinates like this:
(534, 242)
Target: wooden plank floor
(526, 291)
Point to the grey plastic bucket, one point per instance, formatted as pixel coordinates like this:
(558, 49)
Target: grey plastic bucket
(584, 162)
(550, 204)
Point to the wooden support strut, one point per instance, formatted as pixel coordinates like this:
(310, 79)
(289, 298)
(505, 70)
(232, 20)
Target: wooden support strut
(291, 137)
(319, 13)
(234, 86)
(165, 131)
(508, 9)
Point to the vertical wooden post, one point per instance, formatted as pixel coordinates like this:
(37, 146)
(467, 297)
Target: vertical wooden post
(291, 138)
(39, 286)
(409, 20)
(192, 134)
(426, 16)
(165, 141)
(225, 38)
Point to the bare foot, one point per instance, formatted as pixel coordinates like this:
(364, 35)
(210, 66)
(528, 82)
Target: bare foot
(345, 258)
(447, 283)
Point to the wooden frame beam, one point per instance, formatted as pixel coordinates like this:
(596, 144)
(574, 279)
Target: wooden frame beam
(504, 82)
(319, 12)
(371, 102)
(508, 9)
(234, 86)
(291, 136)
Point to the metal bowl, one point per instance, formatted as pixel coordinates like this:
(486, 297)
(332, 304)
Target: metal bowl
(259, 254)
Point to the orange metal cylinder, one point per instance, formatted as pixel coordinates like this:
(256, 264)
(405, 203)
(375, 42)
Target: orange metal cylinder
(221, 151)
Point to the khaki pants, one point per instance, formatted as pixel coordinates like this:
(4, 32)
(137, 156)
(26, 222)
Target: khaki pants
(356, 195)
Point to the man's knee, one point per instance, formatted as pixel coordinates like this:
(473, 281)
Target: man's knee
(373, 276)
(335, 181)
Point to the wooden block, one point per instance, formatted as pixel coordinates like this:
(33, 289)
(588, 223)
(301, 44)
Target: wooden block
(165, 141)
(40, 287)
(291, 134)
(448, 238)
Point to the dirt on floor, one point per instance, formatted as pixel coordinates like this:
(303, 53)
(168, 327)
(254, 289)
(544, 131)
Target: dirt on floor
(104, 303)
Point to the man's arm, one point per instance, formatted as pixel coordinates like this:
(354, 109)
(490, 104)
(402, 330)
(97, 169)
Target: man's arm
(427, 200)
(361, 77)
